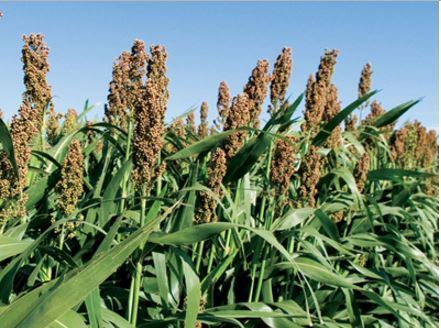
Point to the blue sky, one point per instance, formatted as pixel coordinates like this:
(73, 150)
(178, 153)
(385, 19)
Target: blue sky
(211, 42)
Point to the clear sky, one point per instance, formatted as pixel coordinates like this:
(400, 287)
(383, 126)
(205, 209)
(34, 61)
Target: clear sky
(211, 42)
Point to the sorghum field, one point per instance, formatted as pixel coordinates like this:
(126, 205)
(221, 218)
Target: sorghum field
(310, 218)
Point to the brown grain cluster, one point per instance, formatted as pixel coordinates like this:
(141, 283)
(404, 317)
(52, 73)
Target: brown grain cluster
(283, 164)
(35, 66)
(53, 129)
(203, 125)
(70, 121)
(280, 77)
(351, 122)
(23, 130)
(309, 173)
(414, 146)
(119, 92)
(206, 211)
(361, 170)
(223, 103)
(6, 176)
(317, 92)
(137, 71)
(375, 112)
(149, 117)
(332, 108)
(190, 125)
(364, 85)
(256, 89)
(70, 185)
(178, 128)
(238, 116)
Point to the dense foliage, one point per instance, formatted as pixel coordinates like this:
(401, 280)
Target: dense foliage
(296, 222)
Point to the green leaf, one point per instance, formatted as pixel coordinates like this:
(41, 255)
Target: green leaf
(247, 156)
(72, 289)
(11, 246)
(68, 320)
(394, 114)
(193, 287)
(326, 131)
(393, 174)
(6, 140)
(201, 146)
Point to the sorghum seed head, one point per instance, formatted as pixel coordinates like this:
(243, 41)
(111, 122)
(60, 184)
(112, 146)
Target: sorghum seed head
(178, 128)
(309, 173)
(351, 122)
(157, 70)
(361, 170)
(376, 110)
(398, 141)
(317, 90)
(223, 101)
(332, 108)
(256, 89)
(364, 86)
(203, 126)
(119, 91)
(191, 124)
(283, 164)
(70, 121)
(137, 71)
(70, 186)
(149, 117)
(23, 129)
(35, 67)
(280, 77)
(217, 169)
(53, 126)
(238, 116)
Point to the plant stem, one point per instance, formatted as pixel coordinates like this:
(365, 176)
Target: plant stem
(200, 251)
(260, 245)
(138, 273)
(126, 158)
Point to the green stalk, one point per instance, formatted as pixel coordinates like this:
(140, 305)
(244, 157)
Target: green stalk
(210, 261)
(260, 244)
(200, 251)
(138, 273)
(126, 158)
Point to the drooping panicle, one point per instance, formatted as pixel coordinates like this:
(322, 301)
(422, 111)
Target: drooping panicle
(223, 103)
(332, 108)
(361, 170)
(256, 89)
(119, 91)
(280, 77)
(238, 116)
(149, 118)
(364, 86)
(70, 185)
(283, 164)
(309, 173)
(35, 66)
(217, 169)
(317, 92)
(203, 125)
